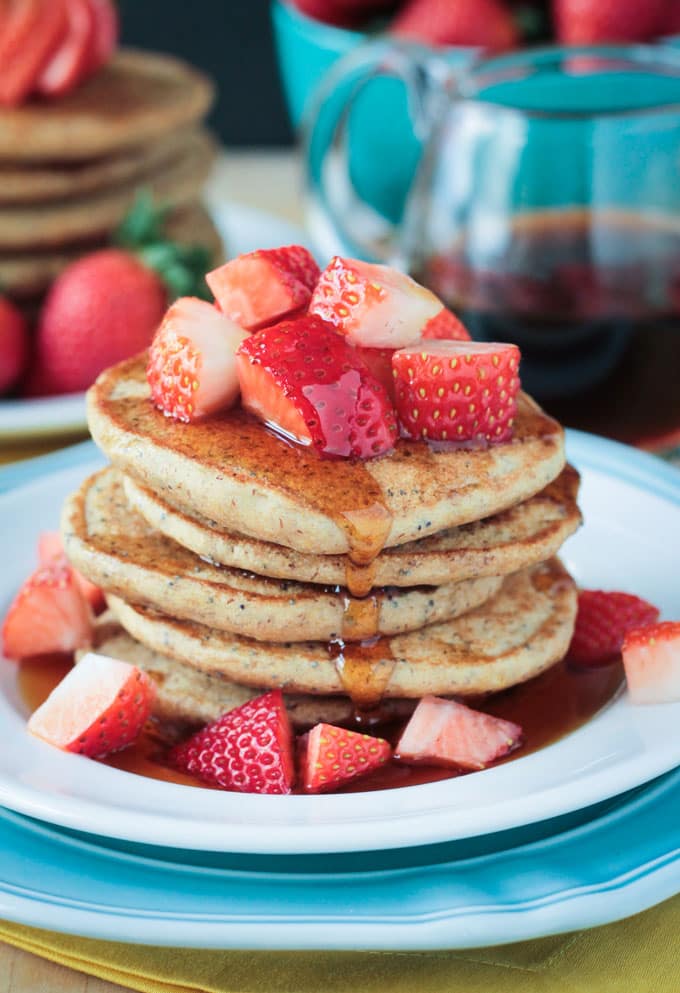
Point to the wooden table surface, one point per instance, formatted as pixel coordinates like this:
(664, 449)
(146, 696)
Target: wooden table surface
(269, 180)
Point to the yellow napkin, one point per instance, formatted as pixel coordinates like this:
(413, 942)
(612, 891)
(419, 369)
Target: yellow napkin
(638, 955)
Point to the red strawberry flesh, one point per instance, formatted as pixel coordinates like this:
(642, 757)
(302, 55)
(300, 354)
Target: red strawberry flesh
(50, 548)
(446, 733)
(31, 31)
(99, 707)
(262, 287)
(305, 380)
(335, 756)
(69, 63)
(457, 391)
(446, 326)
(48, 615)
(248, 750)
(602, 621)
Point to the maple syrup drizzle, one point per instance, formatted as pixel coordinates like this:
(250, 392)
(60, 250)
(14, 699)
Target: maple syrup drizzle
(547, 708)
(365, 669)
(360, 579)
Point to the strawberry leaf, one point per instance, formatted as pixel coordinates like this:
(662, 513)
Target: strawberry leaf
(182, 268)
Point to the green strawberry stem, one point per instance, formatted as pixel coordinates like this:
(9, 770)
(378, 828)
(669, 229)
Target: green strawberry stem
(181, 268)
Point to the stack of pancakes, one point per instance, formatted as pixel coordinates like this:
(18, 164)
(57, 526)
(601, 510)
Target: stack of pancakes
(70, 169)
(234, 562)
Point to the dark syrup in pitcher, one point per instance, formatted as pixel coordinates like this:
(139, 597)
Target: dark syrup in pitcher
(593, 301)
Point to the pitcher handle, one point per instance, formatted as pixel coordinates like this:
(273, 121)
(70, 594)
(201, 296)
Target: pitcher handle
(335, 209)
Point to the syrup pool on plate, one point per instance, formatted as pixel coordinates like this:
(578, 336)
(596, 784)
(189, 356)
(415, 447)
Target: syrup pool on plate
(547, 707)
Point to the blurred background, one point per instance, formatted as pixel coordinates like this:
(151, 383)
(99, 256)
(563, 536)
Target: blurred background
(237, 51)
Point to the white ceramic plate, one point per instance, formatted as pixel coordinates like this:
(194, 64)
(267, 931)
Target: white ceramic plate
(631, 503)
(243, 230)
(459, 895)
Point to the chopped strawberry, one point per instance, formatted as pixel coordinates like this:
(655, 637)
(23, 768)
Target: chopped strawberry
(446, 733)
(105, 37)
(651, 658)
(602, 621)
(50, 548)
(305, 380)
(249, 749)
(379, 361)
(49, 614)
(69, 63)
(447, 327)
(486, 24)
(192, 363)
(457, 391)
(334, 757)
(99, 707)
(262, 287)
(32, 31)
(374, 305)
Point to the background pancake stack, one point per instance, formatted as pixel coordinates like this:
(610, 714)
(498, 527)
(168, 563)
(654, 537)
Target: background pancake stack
(70, 169)
(234, 562)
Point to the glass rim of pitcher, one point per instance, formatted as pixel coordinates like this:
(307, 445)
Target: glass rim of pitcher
(495, 68)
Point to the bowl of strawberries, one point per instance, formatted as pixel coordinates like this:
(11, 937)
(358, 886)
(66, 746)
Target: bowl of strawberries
(313, 35)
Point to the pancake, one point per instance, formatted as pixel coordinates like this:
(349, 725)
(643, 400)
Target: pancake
(26, 276)
(520, 632)
(525, 535)
(136, 99)
(41, 226)
(115, 548)
(32, 184)
(230, 470)
(187, 698)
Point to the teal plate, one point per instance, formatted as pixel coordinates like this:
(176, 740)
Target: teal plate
(617, 864)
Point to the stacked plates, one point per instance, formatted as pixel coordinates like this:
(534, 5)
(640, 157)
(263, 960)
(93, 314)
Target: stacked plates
(580, 833)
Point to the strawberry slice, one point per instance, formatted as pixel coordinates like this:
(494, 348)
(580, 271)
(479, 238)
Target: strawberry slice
(334, 757)
(374, 305)
(305, 381)
(457, 391)
(99, 707)
(50, 548)
(249, 749)
(32, 31)
(48, 615)
(446, 326)
(602, 621)
(192, 364)
(379, 361)
(446, 733)
(105, 36)
(260, 288)
(69, 63)
(651, 658)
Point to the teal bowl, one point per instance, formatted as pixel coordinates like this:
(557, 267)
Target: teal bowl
(383, 149)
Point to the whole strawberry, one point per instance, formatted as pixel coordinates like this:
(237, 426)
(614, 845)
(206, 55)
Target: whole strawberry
(102, 309)
(585, 22)
(106, 306)
(486, 24)
(13, 344)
